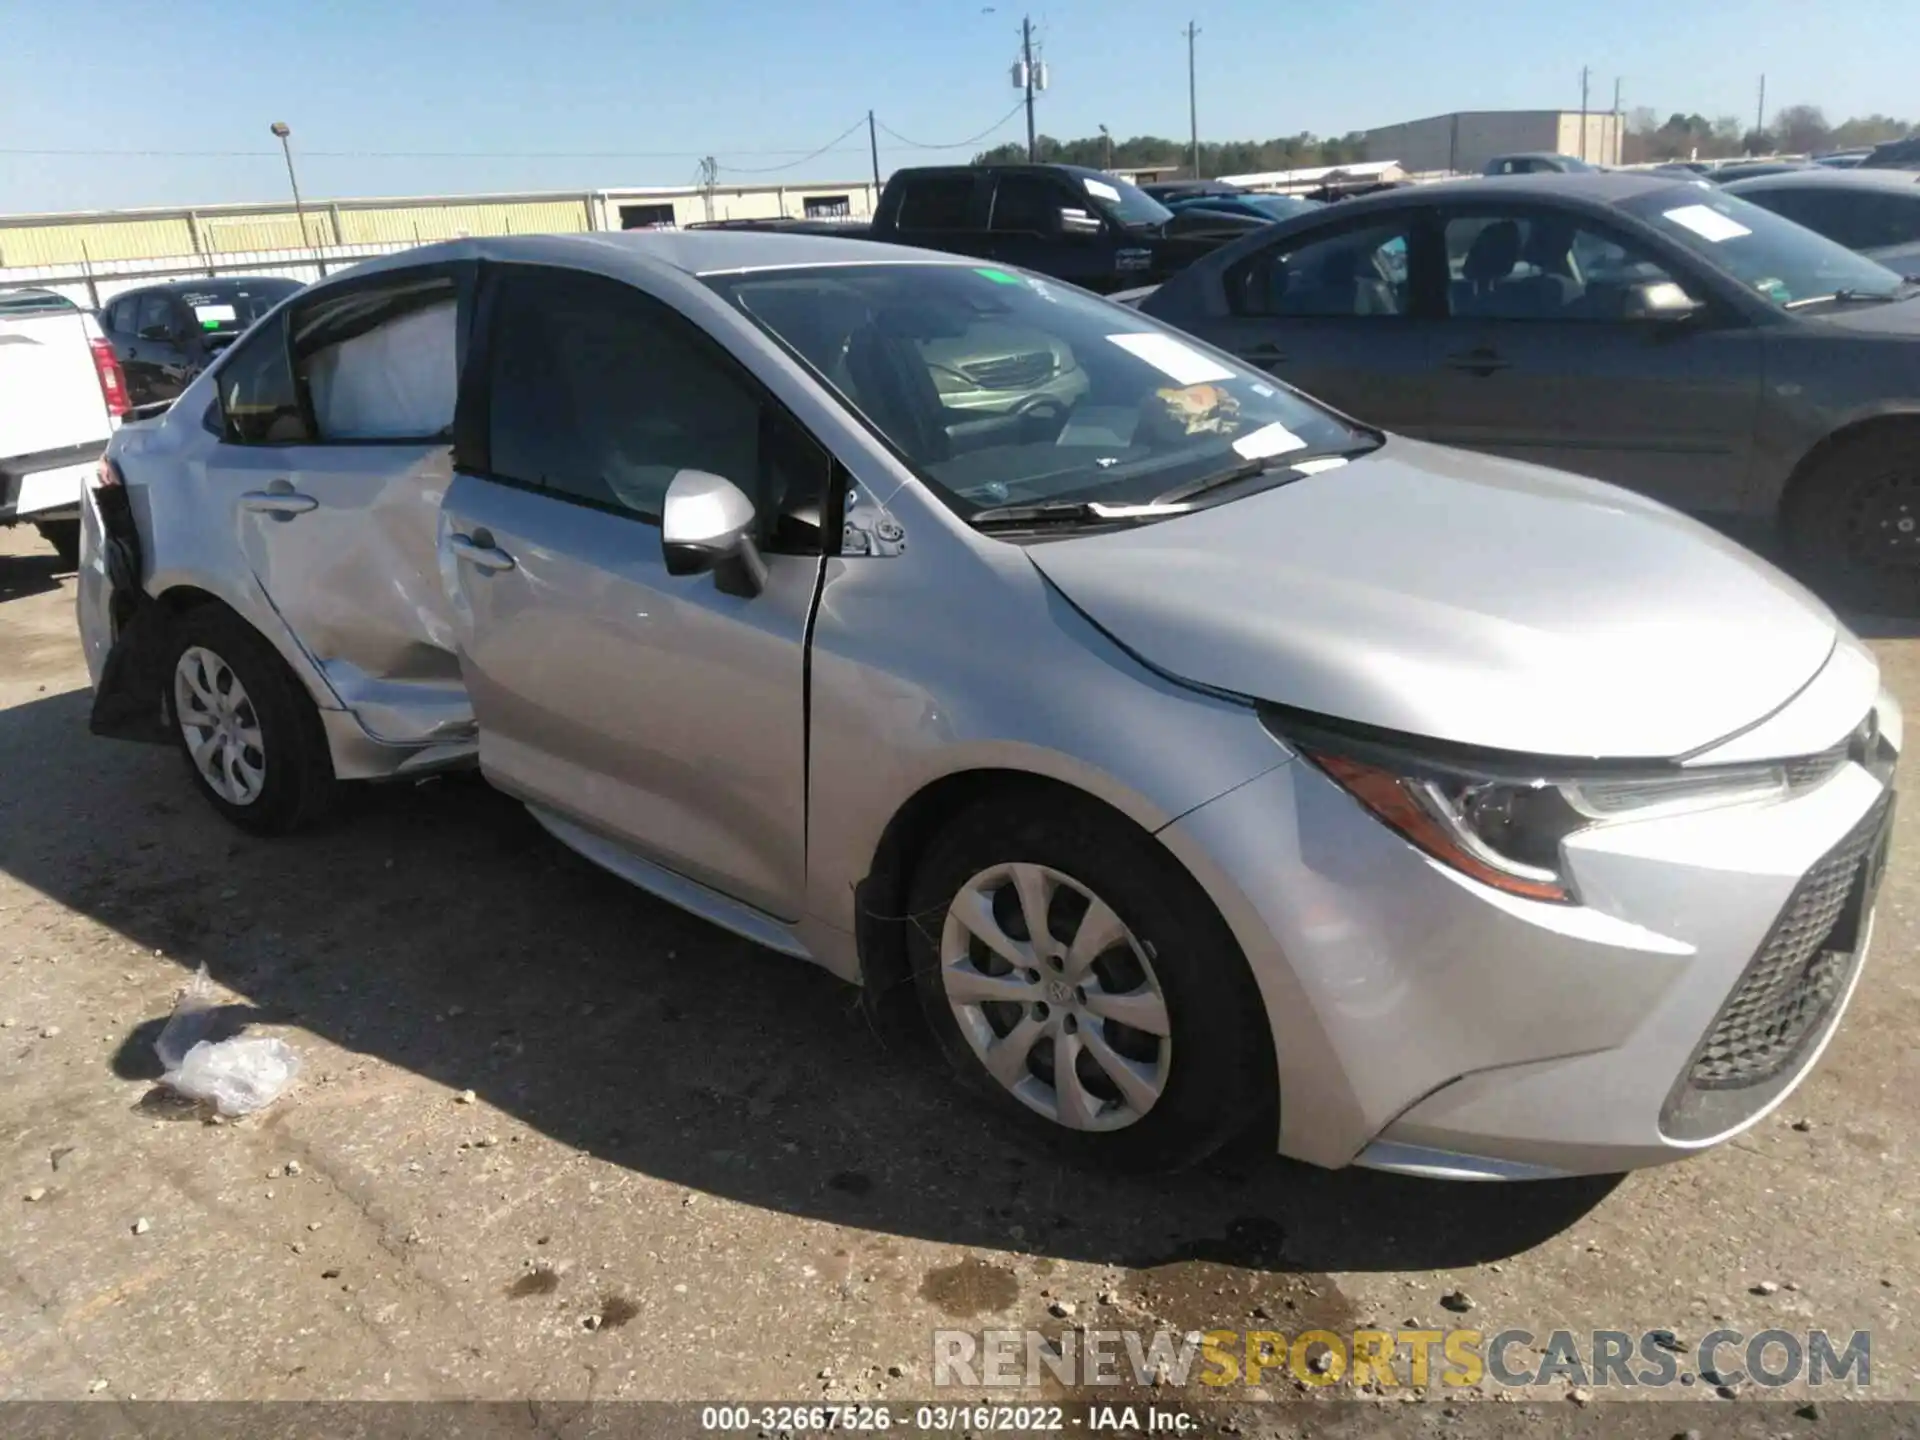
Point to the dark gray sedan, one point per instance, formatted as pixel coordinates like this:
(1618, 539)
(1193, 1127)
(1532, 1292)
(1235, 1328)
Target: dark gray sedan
(1876, 212)
(1658, 333)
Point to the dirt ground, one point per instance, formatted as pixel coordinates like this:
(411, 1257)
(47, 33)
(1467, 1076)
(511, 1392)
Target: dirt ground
(690, 1168)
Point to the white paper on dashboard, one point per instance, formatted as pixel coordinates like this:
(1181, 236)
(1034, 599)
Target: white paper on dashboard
(1708, 223)
(1172, 359)
(1274, 439)
(217, 314)
(1102, 190)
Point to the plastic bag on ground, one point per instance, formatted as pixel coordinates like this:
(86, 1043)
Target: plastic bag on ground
(237, 1076)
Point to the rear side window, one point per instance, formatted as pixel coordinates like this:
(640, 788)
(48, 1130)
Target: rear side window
(601, 394)
(1355, 272)
(119, 315)
(156, 318)
(936, 202)
(381, 363)
(259, 402)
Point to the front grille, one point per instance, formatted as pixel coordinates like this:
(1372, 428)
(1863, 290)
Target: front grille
(1801, 969)
(1011, 372)
(1788, 996)
(1805, 771)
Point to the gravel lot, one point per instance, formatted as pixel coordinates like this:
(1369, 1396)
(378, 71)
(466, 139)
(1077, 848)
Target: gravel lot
(690, 1168)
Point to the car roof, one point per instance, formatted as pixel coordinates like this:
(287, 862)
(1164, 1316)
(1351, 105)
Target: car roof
(201, 285)
(1596, 187)
(1828, 178)
(693, 253)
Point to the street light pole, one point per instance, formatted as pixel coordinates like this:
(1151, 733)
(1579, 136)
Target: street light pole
(1026, 65)
(284, 135)
(1107, 135)
(1193, 102)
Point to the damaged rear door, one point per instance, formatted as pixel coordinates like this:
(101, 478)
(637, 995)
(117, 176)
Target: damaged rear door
(336, 419)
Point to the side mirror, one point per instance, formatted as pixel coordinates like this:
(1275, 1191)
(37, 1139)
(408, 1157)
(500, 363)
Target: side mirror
(1075, 221)
(706, 523)
(1661, 300)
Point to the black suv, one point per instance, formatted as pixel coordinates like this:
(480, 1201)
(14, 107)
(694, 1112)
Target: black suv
(164, 335)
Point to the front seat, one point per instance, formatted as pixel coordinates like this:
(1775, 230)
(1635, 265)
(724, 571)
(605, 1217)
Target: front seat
(1490, 259)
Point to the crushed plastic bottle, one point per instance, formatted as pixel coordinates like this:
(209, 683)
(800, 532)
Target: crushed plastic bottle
(238, 1075)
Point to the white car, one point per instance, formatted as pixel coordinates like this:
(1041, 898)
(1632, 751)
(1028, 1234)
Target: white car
(61, 395)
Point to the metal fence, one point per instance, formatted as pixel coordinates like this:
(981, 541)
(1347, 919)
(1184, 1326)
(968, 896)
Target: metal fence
(92, 284)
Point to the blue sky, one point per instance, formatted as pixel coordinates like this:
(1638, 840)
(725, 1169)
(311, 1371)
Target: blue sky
(633, 93)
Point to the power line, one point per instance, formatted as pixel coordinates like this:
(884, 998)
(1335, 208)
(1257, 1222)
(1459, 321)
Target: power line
(793, 164)
(429, 154)
(957, 144)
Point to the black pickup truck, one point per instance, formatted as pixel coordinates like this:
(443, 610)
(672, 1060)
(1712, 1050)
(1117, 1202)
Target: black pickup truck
(1085, 226)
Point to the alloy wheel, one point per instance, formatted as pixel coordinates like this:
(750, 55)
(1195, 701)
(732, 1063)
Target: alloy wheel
(1884, 528)
(220, 725)
(1056, 996)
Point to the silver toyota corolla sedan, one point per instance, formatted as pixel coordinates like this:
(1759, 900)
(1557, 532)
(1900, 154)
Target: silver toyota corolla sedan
(1199, 756)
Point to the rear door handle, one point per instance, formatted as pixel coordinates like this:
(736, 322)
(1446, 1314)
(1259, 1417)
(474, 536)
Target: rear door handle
(482, 557)
(1482, 361)
(278, 502)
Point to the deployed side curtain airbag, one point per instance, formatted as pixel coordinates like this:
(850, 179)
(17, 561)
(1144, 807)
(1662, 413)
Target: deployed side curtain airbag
(396, 382)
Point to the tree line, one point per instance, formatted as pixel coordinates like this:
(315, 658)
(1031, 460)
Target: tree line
(1796, 129)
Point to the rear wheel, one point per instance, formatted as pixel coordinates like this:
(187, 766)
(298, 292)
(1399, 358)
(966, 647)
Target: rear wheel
(1078, 978)
(251, 736)
(64, 537)
(1853, 521)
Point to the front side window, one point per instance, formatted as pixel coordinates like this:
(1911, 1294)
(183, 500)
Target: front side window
(1782, 262)
(259, 402)
(156, 320)
(381, 362)
(1002, 389)
(1355, 272)
(602, 394)
(1026, 204)
(1543, 265)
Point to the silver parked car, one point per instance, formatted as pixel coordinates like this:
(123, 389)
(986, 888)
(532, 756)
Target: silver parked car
(1200, 757)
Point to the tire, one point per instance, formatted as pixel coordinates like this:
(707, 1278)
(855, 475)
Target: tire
(1213, 1065)
(1844, 519)
(64, 537)
(266, 737)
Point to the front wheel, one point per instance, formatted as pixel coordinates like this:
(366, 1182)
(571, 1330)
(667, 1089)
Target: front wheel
(64, 537)
(1853, 521)
(251, 736)
(1079, 979)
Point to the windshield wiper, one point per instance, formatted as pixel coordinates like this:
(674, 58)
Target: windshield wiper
(1069, 512)
(1846, 297)
(1305, 462)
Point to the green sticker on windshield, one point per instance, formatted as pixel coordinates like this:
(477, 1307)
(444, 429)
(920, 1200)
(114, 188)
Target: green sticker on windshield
(999, 277)
(209, 324)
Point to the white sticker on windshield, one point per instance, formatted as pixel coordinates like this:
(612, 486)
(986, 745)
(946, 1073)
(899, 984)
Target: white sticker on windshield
(1273, 439)
(215, 314)
(1708, 223)
(1171, 358)
(1100, 190)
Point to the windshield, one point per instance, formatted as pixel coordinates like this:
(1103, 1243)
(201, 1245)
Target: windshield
(229, 309)
(1125, 202)
(1766, 252)
(16, 303)
(1007, 389)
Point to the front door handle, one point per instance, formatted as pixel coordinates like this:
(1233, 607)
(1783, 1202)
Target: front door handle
(482, 557)
(1482, 360)
(278, 502)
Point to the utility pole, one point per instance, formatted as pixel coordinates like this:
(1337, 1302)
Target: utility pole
(1583, 112)
(1107, 136)
(1760, 110)
(873, 145)
(1615, 150)
(284, 135)
(1193, 103)
(709, 174)
(1026, 68)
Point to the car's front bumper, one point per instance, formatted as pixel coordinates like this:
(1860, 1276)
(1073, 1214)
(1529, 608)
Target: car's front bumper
(1425, 1023)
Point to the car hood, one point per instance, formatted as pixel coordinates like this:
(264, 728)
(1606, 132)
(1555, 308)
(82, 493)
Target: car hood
(1463, 598)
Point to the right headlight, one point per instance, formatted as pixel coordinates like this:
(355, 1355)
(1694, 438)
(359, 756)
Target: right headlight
(1505, 822)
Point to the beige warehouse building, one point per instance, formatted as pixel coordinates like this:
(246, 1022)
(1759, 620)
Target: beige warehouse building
(92, 255)
(1463, 142)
